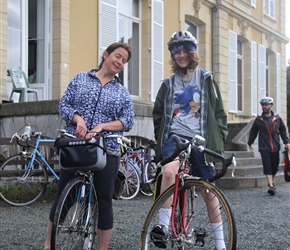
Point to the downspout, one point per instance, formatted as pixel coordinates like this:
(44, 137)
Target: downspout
(213, 14)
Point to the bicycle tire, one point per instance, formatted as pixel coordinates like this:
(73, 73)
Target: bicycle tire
(132, 182)
(147, 189)
(150, 170)
(198, 226)
(18, 187)
(72, 211)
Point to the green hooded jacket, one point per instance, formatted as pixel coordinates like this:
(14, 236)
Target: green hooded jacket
(213, 117)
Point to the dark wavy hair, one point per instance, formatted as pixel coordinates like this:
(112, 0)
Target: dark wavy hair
(115, 46)
(193, 62)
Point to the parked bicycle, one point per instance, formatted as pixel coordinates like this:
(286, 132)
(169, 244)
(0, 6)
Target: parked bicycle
(190, 227)
(139, 168)
(24, 176)
(76, 214)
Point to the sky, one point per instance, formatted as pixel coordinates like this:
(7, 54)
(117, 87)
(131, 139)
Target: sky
(287, 30)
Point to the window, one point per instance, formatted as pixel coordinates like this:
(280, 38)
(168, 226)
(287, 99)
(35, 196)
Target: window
(240, 74)
(14, 34)
(129, 32)
(191, 28)
(36, 41)
(269, 8)
(250, 2)
(122, 22)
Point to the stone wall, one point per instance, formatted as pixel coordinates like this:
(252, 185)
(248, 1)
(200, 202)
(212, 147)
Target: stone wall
(44, 115)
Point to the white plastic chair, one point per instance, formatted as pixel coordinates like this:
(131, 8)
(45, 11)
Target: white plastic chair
(17, 86)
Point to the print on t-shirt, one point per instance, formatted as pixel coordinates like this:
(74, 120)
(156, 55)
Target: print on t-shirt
(189, 102)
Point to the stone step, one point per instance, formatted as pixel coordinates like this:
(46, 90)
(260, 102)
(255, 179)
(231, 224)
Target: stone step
(247, 181)
(248, 172)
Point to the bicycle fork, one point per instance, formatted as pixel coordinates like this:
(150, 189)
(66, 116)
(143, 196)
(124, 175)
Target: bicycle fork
(180, 229)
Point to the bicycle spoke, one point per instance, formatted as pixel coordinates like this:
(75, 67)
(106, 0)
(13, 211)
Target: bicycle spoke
(19, 185)
(192, 227)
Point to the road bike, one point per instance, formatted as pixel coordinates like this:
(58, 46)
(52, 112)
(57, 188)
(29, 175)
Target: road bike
(189, 225)
(140, 169)
(24, 176)
(76, 215)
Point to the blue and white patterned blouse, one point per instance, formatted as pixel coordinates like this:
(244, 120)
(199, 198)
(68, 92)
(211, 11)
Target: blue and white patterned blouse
(96, 104)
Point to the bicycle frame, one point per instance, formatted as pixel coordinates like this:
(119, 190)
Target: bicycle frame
(81, 194)
(35, 152)
(143, 159)
(182, 205)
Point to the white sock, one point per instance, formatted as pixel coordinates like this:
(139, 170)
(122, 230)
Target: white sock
(217, 229)
(164, 216)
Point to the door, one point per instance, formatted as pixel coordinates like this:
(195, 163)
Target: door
(28, 46)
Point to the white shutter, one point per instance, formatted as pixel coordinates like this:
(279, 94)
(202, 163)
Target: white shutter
(157, 51)
(108, 18)
(261, 73)
(232, 72)
(278, 81)
(267, 7)
(254, 78)
(272, 8)
(253, 3)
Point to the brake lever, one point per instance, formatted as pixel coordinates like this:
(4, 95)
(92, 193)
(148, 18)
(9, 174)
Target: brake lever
(13, 136)
(234, 162)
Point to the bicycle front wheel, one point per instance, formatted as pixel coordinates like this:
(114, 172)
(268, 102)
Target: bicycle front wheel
(202, 219)
(132, 181)
(20, 186)
(76, 216)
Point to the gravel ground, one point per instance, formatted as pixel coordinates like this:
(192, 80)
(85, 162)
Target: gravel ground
(263, 221)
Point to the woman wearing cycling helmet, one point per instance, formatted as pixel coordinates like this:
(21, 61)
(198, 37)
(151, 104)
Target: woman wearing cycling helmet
(269, 126)
(188, 103)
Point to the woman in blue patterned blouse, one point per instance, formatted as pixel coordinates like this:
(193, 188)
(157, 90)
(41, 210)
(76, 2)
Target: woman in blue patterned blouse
(96, 101)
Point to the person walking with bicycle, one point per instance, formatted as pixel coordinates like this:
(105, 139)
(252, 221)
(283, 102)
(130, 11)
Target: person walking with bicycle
(189, 103)
(270, 127)
(94, 102)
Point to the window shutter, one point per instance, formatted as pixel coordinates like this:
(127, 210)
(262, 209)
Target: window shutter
(157, 51)
(108, 18)
(267, 7)
(261, 73)
(232, 72)
(278, 81)
(254, 78)
(253, 3)
(272, 8)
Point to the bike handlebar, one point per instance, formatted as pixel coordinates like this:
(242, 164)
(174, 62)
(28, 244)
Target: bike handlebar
(183, 144)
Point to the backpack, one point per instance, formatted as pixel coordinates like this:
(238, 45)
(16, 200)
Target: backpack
(287, 166)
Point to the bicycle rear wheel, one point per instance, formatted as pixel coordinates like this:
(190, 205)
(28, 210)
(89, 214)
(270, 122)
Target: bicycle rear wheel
(150, 172)
(20, 186)
(191, 214)
(132, 181)
(75, 217)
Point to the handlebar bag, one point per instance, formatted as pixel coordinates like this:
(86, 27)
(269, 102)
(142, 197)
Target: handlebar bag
(86, 154)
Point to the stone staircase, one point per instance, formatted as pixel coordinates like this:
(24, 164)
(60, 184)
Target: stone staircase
(248, 172)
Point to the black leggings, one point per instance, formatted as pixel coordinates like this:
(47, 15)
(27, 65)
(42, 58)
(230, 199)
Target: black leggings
(104, 182)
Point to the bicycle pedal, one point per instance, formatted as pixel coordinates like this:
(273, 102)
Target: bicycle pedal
(159, 236)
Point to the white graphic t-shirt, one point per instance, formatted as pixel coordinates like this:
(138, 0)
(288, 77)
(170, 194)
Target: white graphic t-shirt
(187, 95)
